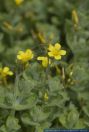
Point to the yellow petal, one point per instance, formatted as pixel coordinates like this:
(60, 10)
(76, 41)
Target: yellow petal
(28, 51)
(10, 73)
(63, 52)
(51, 47)
(45, 62)
(58, 57)
(50, 54)
(57, 46)
(40, 58)
(18, 2)
(19, 57)
(5, 69)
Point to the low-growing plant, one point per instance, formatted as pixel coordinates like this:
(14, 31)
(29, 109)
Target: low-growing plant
(44, 65)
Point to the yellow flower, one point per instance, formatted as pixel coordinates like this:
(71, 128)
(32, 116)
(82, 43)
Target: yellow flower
(4, 72)
(26, 56)
(46, 97)
(75, 18)
(18, 2)
(45, 60)
(55, 51)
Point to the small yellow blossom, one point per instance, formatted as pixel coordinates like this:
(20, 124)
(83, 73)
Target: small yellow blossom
(45, 60)
(41, 37)
(26, 56)
(4, 72)
(55, 51)
(46, 97)
(75, 18)
(18, 2)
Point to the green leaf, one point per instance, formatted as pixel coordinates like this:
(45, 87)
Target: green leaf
(38, 114)
(80, 124)
(69, 118)
(42, 126)
(25, 103)
(12, 123)
(55, 84)
(3, 128)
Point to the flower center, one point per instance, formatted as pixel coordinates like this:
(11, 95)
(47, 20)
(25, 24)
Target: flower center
(55, 52)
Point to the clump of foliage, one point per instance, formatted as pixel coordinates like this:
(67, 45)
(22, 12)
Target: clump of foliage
(44, 65)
